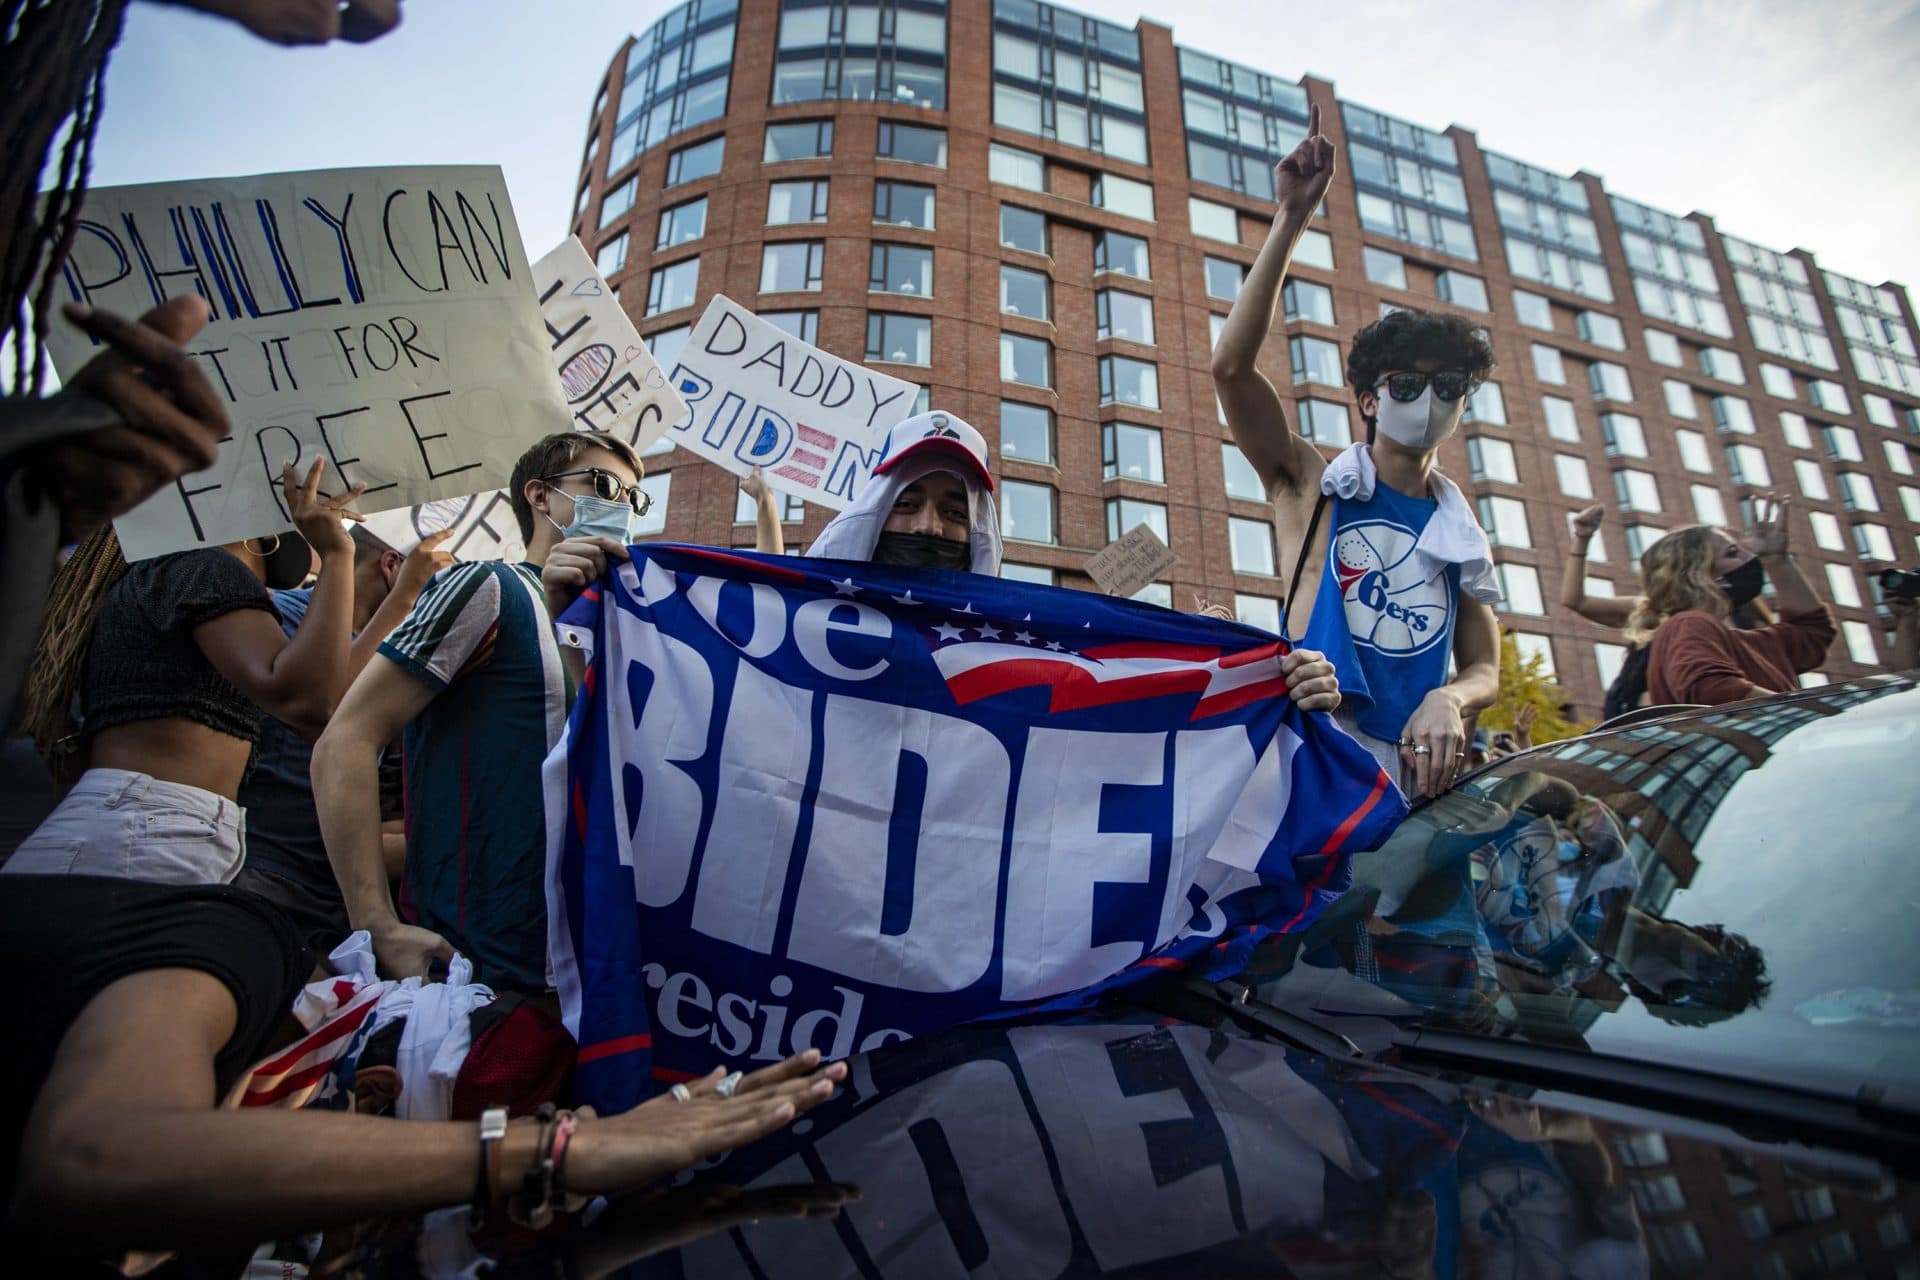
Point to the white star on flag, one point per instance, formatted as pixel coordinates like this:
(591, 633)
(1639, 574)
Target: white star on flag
(905, 599)
(990, 632)
(948, 633)
(967, 608)
(1023, 637)
(845, 587)
(1056, 646)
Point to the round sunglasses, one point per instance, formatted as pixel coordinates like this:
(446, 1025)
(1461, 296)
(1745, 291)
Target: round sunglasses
(1448, 384)
(609, 488)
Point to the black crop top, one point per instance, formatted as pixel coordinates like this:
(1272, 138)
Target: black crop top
(144, 665)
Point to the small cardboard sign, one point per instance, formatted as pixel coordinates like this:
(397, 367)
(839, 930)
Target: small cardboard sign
(384, 319)
(757, 396)
(1129, 563)
(610, 380)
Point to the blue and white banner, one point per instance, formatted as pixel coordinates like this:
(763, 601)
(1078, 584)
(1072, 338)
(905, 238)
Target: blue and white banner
(806, 802)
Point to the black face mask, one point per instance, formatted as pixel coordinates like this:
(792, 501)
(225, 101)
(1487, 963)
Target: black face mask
(922, 550)
(1745, 583)
(289, 563)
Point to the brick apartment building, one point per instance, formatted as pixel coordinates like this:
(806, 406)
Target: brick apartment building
(1043, 218)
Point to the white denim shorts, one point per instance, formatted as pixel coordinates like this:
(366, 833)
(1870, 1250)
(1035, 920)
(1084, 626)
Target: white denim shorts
(132, 826)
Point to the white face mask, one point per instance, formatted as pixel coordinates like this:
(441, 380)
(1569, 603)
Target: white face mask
(1418, 424)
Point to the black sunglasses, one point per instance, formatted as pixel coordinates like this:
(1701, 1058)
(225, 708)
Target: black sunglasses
(1448, 384)
(610, 488)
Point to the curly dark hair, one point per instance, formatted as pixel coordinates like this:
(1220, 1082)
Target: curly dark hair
(1403, 338)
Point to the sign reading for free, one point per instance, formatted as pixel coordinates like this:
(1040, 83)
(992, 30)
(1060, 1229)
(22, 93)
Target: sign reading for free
(384, 319)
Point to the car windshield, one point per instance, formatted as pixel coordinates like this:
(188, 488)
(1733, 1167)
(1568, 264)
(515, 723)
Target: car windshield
(1735, 891)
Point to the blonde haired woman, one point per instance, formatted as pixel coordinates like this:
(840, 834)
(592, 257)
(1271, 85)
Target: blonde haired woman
(1693, 578)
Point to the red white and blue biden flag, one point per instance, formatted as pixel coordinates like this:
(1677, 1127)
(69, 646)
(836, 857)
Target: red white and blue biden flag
(813, 803)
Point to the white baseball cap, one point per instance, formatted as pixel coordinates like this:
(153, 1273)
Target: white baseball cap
(938, 432)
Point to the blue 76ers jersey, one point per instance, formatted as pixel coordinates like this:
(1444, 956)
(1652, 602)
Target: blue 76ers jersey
(1387, 627)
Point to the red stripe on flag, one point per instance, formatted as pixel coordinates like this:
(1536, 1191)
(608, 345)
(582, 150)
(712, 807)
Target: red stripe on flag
(751, 566)
(1234, 699)
(613, 1048)
(1159, 962)
(345, 1023)
(1345, 829)
(1154, 649)
(579, 812)
(1401, 1110)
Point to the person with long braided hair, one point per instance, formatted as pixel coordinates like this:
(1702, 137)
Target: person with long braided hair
(142, 414)
(172, 663)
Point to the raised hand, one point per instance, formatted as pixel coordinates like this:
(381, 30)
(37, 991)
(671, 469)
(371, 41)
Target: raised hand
(315, 515)
(1767, 532)
(1300, 181)
(1586, 521)
(422, 563)
(754, 485)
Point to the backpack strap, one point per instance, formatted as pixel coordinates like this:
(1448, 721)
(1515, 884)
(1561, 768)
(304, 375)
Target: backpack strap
(1300, 562)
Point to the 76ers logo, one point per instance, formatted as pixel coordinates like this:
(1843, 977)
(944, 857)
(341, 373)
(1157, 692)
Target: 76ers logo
(1390, 606)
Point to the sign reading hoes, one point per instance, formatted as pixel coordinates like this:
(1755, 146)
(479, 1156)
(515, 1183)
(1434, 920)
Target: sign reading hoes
(759, 397)
(384, 319)
(608, 376)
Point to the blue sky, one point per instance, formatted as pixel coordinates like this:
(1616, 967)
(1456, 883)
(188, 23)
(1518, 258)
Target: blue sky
(1791, 123)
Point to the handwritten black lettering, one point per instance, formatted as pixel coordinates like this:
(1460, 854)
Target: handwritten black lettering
(406, 408)
(386, 227)
(447, 236)
(78, 285)
(477, 234)
(775, 358)
(219, 369)
(727, 320)
(349, 268)
(340, 462)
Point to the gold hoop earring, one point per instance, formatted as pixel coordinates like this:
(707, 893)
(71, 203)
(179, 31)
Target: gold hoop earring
(262, 552)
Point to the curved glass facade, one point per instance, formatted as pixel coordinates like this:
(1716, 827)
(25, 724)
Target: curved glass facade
(890, 51)
(676, 77)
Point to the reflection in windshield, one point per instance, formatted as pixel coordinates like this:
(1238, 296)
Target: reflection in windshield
(1628, 890)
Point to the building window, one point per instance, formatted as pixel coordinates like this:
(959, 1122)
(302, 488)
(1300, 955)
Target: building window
(1812, 480)
(1026, 432)
(1016, 168)
(1157, 593)
(1623, 435)
(1601, 330)
(1047, 83)
(1779, 382)
(1826, 531)
(1224, 279)
(1561, 424)
(798, 140)
(666, 345)
(681, 223)
(1122, 315)
(1639, 538)
(1505, 520)
(1748, 466)
(1843, 444)
(1879, 409)
(803, 200)
(1573, 477)
(1830, 396)
(746, 511)
(673, 287)
(804, 325)
(1408, 182)
(1843, 586)
(1128, 381)
(615, 203)
(1026, 511)
(1673, 278)
(1026, 360)
(1899, 461)
(883, 52)
(1023, 229)
(1486, 403)
(1025, 293)
(611, 256)
(1383, 268)
(1257, 611)
(696, 161)
(1121, 254)
(1130, 452)
(1241, 479)
(1124, 513)
(902, 204)
(1520, 590)
(1213, 221)
(1123, 196)
(913, 144)
(1533, 310)
(1324, 422)
(1663, 348)
(1910, 502)
(1028, 573)
(793, 266)
(1679, 398)
(899, 339)
(1462, 290)
(1313, 249)
(1251, 545)
(1609, 381)
(1316, 360)
(1707, 505)
(1678, 1244)
(1793, 429)
(1547, 365)
(1492, 460)
(901, 268)
(675, 78)
(1607, 659)
(1731, 413)
(1637, 491)
(1873, 542)
(1722, 366)
(1836, 1252)
(1694, 455)
(1856, 492)
(1303, 300)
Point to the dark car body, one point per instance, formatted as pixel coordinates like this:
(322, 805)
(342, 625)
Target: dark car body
(1645, 1002)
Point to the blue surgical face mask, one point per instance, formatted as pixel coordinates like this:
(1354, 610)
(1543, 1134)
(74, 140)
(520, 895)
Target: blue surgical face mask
(597, 518)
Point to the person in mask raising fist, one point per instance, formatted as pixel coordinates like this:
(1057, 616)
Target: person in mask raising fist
(1694, 578)
(1391, 572)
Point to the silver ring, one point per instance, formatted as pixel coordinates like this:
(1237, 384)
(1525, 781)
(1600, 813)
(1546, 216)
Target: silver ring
(1423, 751)
(727, 1086)
(681, 1093)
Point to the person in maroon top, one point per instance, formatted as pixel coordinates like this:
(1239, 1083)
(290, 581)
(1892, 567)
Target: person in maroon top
(1694, 577)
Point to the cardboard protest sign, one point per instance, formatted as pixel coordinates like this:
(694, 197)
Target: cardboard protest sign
(482, 523)
(1130, 562)
(610, 379)
(385, 319)
(759, 397)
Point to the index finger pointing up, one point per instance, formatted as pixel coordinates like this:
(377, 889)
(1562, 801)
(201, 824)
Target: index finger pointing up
(1313, 119)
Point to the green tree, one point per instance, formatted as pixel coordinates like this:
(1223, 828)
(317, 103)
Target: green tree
(1528, 682)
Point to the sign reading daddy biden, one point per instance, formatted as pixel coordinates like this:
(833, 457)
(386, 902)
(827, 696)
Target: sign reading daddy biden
(809, 802)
